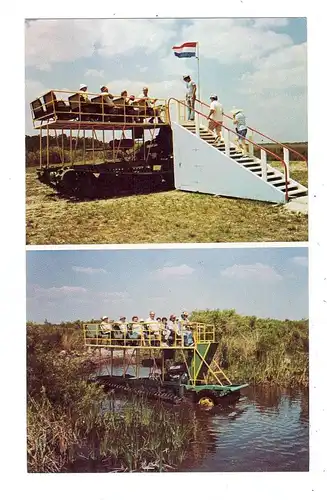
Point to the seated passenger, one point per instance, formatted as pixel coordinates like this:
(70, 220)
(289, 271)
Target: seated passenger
(144, 326)
(125, 96)
(135, 107)
(123, 325)
(173, 328)
(184, 326)
(128, 107)
(147, 105)
(153, 326)
(105, 325)
(136, 329)
(83, 92)
(107, 97)
(165, 332)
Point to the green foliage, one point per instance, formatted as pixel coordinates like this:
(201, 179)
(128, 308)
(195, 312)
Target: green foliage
(70, 421)
(260, 350)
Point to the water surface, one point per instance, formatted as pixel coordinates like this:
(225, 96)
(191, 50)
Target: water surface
(266, 430)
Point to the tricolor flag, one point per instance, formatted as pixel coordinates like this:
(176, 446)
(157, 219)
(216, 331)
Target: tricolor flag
(187, 49)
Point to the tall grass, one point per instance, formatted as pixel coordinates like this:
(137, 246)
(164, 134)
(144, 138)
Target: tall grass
(69, 423)
(260, 350)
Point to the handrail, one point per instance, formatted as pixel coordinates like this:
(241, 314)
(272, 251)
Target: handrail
(263, 135)
(246, 139)
(121, 109)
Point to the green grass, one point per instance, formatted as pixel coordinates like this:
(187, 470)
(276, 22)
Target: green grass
(72, 424)
(169, 217)
(258, 350)
(298, 171)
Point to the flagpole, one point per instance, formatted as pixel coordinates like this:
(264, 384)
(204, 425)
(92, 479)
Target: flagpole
(198, 58)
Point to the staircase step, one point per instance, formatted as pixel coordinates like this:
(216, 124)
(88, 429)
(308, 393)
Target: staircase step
(279, 183)
(271, 177)
(234, 154)
(255, 169)
(245, 160)
(295, 189)
(298, 194)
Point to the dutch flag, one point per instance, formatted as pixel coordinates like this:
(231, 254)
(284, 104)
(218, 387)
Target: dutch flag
(187, 49)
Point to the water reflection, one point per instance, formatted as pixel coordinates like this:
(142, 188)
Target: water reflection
(267, 430)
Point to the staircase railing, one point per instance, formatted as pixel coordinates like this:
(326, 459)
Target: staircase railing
(286, 149)
(227, 140)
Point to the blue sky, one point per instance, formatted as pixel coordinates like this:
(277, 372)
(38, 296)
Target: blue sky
(258, 64)
(84, 284)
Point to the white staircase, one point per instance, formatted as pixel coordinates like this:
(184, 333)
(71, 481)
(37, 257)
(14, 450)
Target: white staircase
(267, 174)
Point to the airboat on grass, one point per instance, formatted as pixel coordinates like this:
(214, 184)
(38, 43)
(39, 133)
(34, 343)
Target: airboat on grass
(172, 372)
(88, 149)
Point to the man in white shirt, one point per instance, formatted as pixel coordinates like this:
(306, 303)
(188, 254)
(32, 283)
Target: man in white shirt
(190, 96)
(215, 117)
(105, 325)
(153, 324)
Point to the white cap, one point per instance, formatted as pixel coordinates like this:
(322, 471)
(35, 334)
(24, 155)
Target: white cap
(104, 317)
(82, 86)
(140, 320)
(213, 96)
(234, 111)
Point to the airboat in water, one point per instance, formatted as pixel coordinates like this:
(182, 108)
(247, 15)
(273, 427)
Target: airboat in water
(170, 371)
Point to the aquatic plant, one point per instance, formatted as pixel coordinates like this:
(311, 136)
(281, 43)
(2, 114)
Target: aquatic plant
(260, 350)
(71, 424)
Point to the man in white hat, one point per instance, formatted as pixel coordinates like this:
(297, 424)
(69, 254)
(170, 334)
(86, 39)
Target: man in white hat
(123, 325)
(190, 96)
(241, 129)
(185, 328)
(215, 117)
(105, 325)
(83, 92)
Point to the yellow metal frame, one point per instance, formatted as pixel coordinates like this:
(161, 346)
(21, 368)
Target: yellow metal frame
(108, 143)
(160, 109)
(202, 334)
(147, 344)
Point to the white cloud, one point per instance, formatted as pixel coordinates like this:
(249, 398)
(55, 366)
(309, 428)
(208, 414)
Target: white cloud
(44, 67)
(58, 40)
(89, 270)
(142, 69)
(300, 261)
(62, 40)
(256, 271)
(234, 40)
(282, 69)
(112, 297)
(52, 293)
(94, 73)
(119, 295)
(265, 22)
(173, 272)
(121, 36)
